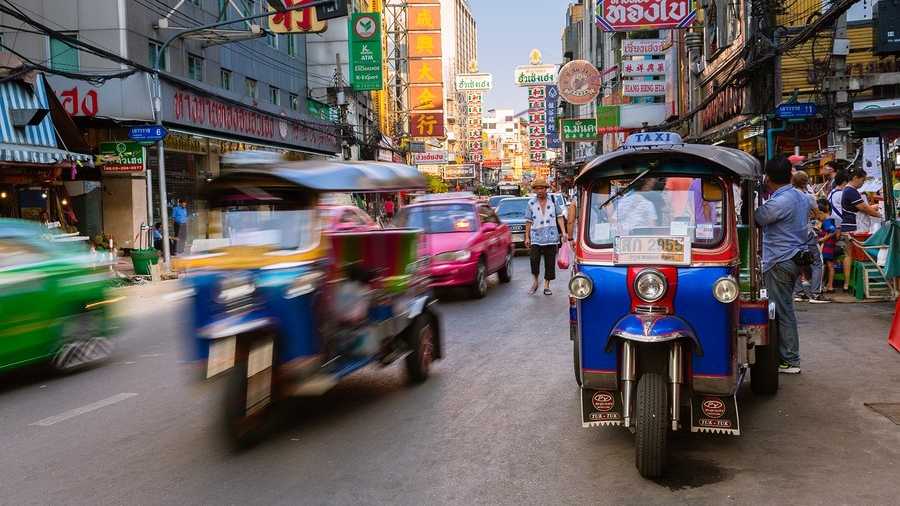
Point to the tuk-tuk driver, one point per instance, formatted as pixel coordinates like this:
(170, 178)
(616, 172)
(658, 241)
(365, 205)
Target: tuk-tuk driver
(784, 222)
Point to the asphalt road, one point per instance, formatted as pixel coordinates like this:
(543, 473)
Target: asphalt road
(498, 423)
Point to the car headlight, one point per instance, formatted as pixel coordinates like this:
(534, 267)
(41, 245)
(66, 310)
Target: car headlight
(453, 256)
(726, 290)
(234, 288)
(650, 285)
(580, 286)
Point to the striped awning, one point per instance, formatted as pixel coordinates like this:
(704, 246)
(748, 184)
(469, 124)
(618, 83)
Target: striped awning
(36, 144)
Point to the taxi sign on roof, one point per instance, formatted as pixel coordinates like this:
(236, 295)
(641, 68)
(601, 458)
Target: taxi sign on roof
(648, 139)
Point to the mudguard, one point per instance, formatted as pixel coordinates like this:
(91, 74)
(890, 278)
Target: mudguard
(653, 329)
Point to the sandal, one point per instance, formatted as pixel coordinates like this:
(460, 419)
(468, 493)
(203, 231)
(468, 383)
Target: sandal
(547, 291)
(534, 288)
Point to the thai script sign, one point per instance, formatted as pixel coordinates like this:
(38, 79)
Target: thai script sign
(632, 15)
(579, 129)
(430, 158)
(474, 82)
(536, 75)
(641, 47)
(121, 156)
(465, 171)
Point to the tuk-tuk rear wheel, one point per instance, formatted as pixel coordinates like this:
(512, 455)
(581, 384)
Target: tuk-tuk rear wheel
(421, 335)
(652, 425)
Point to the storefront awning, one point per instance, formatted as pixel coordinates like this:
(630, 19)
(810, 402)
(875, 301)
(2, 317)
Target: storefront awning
(27, 132)
(18, 153)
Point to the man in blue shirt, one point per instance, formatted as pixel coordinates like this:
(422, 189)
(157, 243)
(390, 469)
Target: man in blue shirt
(785, 226)
(180, 218)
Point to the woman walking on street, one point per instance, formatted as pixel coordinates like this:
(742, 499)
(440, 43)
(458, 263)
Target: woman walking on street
(543, 222)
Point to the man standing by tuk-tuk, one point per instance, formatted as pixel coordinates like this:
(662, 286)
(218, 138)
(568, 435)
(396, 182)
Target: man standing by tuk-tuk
(784, 222)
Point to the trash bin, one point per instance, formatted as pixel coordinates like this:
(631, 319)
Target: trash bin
(141, 260)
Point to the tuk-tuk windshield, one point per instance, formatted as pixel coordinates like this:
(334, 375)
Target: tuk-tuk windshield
(263, 226)
(658, 206)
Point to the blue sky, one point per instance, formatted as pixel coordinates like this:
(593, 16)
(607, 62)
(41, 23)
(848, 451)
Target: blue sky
(507, 32)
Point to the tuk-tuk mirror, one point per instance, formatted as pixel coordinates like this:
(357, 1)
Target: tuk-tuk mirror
(712, 191)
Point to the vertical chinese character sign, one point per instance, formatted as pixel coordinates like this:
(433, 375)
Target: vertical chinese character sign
(426, 86)
(474, 146)
(551, 103)
(537, 123)
(365, 51)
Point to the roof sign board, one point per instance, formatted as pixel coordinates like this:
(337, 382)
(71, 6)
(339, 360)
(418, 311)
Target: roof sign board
(647, 139)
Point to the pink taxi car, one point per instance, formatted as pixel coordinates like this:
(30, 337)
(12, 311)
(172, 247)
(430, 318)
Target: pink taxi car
(465, 239)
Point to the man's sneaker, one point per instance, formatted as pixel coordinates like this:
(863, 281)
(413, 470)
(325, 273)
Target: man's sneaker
(801, 298)
(786, 368)
(819, 299)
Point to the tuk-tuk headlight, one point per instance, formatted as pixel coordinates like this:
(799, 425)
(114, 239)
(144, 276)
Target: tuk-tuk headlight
(580, 286)
(234, 288)
(650, 285)
(726, 290)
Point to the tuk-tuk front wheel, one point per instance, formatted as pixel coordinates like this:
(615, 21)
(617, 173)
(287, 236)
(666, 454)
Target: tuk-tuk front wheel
(248, 401)
(421, 334)
(652, 425)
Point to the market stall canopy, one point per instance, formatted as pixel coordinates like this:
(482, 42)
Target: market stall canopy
(728, 160)
(31, 126)
(326, 176)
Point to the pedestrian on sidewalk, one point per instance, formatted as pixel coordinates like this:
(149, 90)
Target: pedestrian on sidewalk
(543, 223)
(852, 203)
(809, 284)
(180, 219)
(828, 239)
(784, 220)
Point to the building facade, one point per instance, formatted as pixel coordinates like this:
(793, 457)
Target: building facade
(221, 91)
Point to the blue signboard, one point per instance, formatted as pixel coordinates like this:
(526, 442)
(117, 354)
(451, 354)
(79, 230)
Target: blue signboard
(147, 133)
(551, 110)
(796, 110)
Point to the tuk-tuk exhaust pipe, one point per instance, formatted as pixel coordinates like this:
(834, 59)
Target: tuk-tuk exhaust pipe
(629, 378)
(676, 378)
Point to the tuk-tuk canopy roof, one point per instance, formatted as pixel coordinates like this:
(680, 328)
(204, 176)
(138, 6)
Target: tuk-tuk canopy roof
(326, 176)
(634, 160)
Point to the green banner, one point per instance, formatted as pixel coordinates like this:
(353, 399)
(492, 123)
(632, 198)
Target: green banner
(365, 51)
(121, 156)
(607, 116)
(579, 129)
(321, 111)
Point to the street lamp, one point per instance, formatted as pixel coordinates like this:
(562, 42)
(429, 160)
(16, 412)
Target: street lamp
(157, 100)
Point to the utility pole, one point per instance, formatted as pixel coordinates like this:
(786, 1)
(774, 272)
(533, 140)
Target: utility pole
(340, 99)
(839, 85)
(694, 43)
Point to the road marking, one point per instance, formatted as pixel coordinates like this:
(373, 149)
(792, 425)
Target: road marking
(72, 413)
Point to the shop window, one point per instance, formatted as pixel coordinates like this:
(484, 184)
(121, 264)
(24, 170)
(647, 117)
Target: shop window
(63, 56)
(225, 79)
(274, 95)
(252, 90)
(153, 51)
(195, 67)
(291, 44)
(295, 102)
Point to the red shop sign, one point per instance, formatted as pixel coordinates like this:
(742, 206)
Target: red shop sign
(630, 15)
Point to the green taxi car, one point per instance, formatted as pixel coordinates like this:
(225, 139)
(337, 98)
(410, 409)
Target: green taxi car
(54, 300)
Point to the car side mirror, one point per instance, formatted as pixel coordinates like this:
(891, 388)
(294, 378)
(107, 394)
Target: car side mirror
(488, 227)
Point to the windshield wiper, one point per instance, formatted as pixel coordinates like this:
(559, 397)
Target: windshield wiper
(624, 190)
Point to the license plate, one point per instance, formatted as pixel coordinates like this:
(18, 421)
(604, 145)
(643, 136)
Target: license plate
(518, 237)
(221, 356)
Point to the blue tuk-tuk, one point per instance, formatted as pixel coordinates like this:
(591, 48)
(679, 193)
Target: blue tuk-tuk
(282, 307)
(666, 307)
